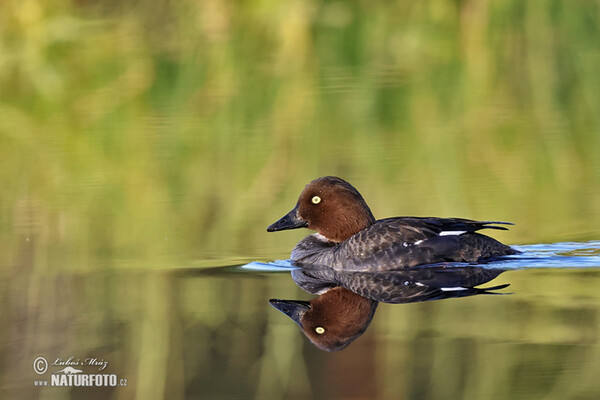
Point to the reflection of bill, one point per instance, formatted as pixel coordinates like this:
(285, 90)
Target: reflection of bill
(40, 365)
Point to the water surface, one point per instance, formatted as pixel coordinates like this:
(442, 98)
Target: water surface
(210, 333)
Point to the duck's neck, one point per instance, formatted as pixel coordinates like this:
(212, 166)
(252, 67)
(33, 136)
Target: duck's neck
(348, 223)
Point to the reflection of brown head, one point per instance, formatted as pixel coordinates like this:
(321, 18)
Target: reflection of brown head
(333, 320)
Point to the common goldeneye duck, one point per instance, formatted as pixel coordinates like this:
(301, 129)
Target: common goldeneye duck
(348, 236)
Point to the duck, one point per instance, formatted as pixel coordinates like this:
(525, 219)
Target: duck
(348, 237)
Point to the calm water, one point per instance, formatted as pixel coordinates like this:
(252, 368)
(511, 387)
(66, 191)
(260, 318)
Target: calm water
(210, 333)
(144, 149)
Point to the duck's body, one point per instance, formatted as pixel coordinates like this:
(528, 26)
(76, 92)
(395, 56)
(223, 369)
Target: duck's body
(349, 237)
(402, 242)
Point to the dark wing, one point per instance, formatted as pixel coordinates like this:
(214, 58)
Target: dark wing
(438, 225)
(410, 241)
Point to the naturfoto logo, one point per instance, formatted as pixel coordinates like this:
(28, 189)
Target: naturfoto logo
(72, 372)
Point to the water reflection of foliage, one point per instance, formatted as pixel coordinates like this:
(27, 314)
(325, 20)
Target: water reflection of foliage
(186, 336)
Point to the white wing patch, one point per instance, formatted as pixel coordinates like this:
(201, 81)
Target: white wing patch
(452, 289)
(450, 233)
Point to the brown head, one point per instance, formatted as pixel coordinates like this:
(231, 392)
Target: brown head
(330, 206)
(333, 320)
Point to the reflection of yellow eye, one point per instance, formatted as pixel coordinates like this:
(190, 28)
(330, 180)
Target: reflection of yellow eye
(320, 330)
(316, 200)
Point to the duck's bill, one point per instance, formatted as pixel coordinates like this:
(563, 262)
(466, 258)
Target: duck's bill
(294, 309)
(290, 221)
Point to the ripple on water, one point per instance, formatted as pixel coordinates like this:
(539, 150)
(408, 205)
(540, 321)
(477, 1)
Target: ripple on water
(553, 255)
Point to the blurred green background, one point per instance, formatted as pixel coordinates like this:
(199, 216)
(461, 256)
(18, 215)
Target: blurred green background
(159, 130)
(137, 138)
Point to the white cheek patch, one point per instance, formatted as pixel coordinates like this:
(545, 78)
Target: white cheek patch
(417, 242)
(450, 233)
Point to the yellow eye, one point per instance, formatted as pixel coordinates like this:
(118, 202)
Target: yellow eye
(320, 330)
(316, 200)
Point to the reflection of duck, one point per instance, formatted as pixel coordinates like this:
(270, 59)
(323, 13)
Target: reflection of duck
(403, 286)
(350, 238)
(347, 300)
